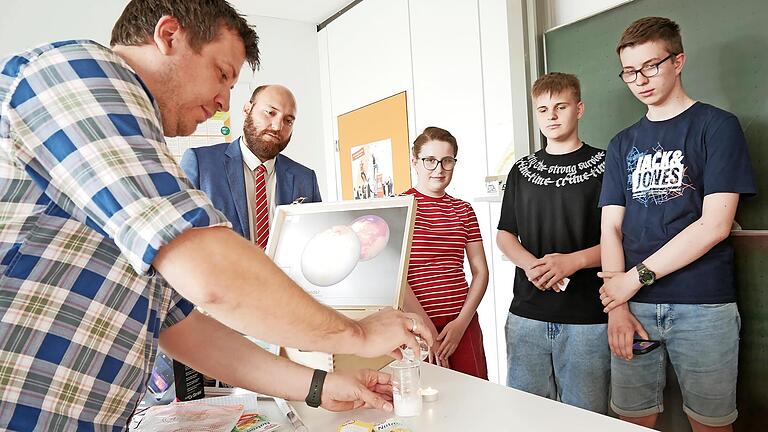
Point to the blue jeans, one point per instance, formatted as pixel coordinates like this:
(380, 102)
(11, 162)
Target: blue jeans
(566, 362)
(702, 342)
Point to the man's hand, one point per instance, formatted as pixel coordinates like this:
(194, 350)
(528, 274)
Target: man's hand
(449, 339)
(549, 271)
(387, 330)
(607, 275)
(432, 356)
(618, 288)
(622, 326)
(366, 387)
(534, 276)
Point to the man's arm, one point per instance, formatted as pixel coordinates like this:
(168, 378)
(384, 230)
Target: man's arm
(511, 247)
(690, 244)
(622, 325)
(210, 347)
(694, 241)
(241, 287)
(612, 251)
(547, 272)
(556, 266)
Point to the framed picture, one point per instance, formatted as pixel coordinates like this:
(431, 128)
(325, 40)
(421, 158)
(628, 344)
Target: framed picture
(374, 151)
(349, 255)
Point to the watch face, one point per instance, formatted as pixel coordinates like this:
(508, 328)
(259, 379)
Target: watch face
(646, 279)
(645, 275)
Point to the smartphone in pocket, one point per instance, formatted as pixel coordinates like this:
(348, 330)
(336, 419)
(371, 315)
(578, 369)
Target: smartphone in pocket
(644, 346)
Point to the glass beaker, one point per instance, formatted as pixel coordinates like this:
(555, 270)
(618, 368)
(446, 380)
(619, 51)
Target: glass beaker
(406, 383)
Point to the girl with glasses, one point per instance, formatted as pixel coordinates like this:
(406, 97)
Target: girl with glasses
(446, 229)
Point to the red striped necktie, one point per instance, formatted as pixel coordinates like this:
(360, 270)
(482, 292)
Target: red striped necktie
(261, 207)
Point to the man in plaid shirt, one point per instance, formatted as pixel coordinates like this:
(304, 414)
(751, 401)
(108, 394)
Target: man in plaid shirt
(96, 226)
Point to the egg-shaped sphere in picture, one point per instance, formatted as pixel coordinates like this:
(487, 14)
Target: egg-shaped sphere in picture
(373, 233)
(330, 256)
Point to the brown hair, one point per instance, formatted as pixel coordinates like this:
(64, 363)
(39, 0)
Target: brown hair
(433, 133)
(201, 19)
(651, 29)
(556, 83)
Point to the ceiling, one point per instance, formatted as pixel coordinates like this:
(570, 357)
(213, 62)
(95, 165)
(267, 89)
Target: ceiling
(310, 11)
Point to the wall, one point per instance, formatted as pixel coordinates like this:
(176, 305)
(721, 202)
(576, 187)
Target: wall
(290, 56)
(27, 23)
(452, 59)
(567, 11)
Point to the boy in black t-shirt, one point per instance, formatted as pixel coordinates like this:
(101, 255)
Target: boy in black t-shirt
(671, 188)
(550, 228)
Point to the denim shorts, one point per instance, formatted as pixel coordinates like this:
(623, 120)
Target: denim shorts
(702, 343)
(566, 362)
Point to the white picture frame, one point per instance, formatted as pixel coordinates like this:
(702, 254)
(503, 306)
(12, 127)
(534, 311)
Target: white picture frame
(298, 232)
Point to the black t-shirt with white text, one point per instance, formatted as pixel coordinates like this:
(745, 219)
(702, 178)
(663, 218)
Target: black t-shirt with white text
(550, 203)
(660, 172)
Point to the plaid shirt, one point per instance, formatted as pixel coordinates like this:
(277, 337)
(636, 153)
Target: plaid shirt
(88, 194)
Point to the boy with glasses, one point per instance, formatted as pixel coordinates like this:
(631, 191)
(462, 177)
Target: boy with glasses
(550, 229)
(672, 184)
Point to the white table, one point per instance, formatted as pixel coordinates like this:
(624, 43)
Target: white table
(470, 404)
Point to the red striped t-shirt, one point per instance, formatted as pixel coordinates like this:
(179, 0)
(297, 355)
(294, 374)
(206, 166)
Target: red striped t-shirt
(441, 232)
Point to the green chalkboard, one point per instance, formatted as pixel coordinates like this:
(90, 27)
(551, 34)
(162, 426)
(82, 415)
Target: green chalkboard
(751, 253)
(726, 42)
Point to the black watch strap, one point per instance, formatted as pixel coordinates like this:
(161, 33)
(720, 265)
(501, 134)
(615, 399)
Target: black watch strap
(316, 388)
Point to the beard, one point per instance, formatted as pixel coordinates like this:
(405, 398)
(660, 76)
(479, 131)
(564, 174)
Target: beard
(260, 143)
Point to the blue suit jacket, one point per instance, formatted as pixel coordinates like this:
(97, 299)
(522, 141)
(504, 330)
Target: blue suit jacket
(218, 171)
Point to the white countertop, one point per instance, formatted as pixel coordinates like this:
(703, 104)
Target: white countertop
(470, 404)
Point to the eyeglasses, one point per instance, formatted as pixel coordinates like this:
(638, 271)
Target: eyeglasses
(630, 76)
(447, 163)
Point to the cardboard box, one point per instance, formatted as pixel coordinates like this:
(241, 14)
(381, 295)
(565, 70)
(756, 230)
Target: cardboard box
(338, 253)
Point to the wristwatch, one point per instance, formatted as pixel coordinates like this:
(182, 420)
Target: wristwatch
(645, 275)
(316, 388)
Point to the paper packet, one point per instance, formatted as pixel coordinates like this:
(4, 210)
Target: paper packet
(254, 422)
(391, 425)
(355, 426)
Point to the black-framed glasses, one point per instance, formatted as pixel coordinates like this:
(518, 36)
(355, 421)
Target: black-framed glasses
(447, 163)
(630, 76)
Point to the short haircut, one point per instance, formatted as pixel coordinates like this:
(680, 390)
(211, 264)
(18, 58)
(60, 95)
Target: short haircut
(651, 29)
(433, 133)
(200, 19)
(556, 83)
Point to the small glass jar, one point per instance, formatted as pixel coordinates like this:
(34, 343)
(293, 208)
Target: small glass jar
(406, 383)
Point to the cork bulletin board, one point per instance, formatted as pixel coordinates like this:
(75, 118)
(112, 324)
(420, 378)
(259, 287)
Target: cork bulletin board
(374, 151)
